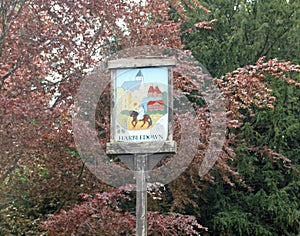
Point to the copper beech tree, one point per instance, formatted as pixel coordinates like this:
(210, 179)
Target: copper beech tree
(46, 49)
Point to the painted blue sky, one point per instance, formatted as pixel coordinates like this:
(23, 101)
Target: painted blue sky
(151, 75)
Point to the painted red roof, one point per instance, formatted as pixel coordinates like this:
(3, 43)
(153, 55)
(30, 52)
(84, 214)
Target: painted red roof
(157, 90)
(160, 102)
(151, 89)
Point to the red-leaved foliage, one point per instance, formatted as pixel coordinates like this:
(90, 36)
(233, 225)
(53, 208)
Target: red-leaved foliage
(46, 49)
(102, 215)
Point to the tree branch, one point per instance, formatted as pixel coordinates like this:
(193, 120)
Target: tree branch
(4, 77)
(10, 169)
(71, 189)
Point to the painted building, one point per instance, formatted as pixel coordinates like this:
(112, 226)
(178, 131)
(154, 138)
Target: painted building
(131, 92)
(157, 105)
(154, 92)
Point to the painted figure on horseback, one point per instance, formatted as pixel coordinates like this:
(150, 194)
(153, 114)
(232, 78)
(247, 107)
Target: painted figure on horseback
(140, 116)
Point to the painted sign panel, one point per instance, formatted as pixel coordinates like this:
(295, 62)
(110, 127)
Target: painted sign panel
(141, 104)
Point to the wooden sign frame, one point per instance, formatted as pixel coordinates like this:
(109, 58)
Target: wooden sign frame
(133, 145)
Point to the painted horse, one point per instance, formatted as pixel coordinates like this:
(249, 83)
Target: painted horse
(146, 119)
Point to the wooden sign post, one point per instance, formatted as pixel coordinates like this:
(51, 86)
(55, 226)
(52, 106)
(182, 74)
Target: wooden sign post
(141, 119)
